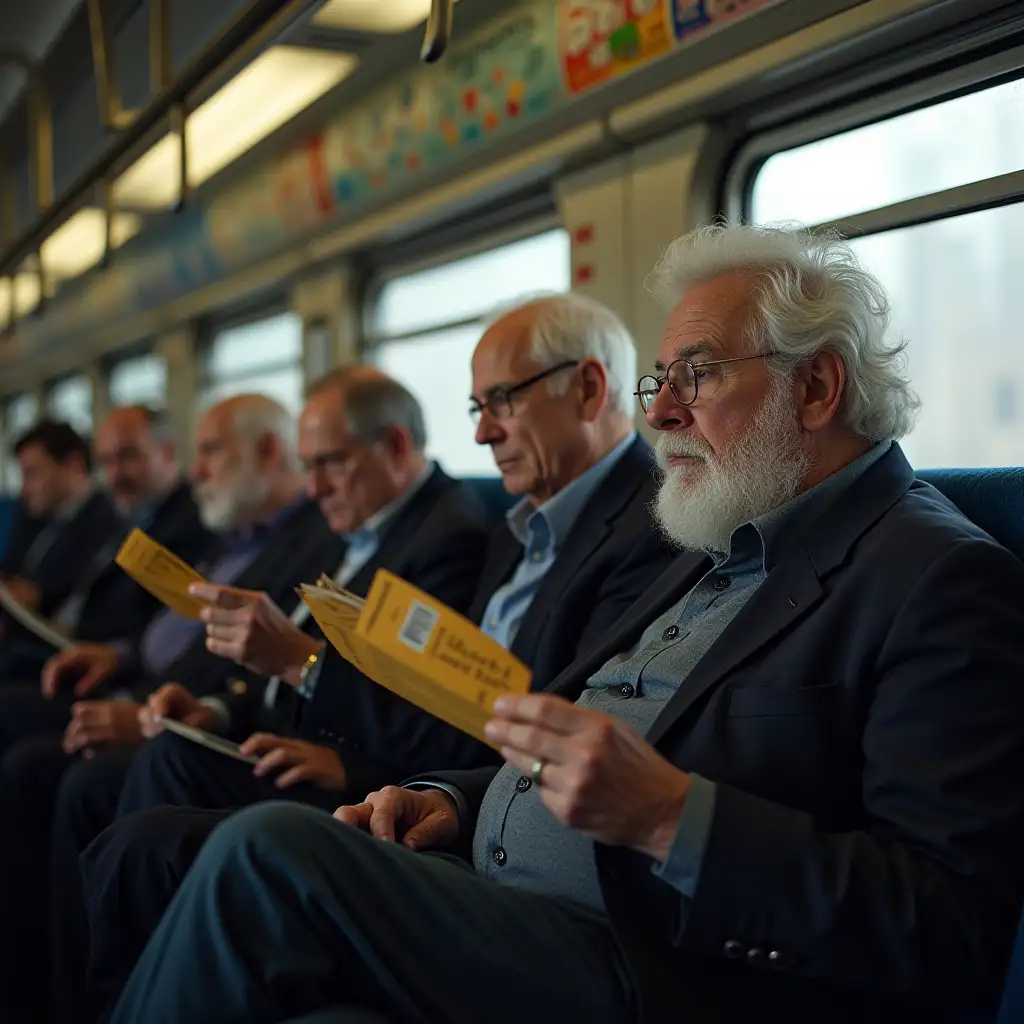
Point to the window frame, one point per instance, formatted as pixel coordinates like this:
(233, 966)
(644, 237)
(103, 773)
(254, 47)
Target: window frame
(518, 231)
(208, 329)
(973, 197)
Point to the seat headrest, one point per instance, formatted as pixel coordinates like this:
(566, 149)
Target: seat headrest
(991, 498)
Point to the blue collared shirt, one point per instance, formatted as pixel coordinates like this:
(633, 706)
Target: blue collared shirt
(542, 532)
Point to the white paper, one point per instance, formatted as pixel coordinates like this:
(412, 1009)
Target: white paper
(35, 623)
(207, 739)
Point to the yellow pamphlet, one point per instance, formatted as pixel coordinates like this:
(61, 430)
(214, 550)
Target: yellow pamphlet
(160, 572)
(417, 647)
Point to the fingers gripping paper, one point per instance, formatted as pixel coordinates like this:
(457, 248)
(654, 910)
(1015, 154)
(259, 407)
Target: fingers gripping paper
(160, 572)
(417, 647)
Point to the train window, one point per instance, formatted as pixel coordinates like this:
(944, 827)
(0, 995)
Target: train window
(70, 400)
(953, 276)
(262, 355)
(427, 323)
(958, 142)
(140, 380)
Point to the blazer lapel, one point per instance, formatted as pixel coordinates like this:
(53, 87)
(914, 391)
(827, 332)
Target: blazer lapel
(793, 587)
(403, 534)
(503, 556)
(592, 527)
(678, 579)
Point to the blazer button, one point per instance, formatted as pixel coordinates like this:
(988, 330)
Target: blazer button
(671, 633)
(523, 784)
(779, 960)
(755, 957)
(734, 949)
(626, 689)
(499, 856)
(721, 583)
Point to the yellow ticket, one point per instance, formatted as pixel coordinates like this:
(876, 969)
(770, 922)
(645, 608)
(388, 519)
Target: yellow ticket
(420, 649)
(161, 572)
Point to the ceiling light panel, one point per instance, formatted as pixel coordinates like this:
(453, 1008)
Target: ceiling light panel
(26, 296)
(78, 243)
(372, 15)
(262, 97)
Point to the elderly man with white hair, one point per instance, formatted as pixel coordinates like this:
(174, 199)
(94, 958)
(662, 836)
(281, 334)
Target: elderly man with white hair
(788, 785)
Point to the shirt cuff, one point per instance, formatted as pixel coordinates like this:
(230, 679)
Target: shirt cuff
(681, 869)
(453, 791)
(221, 713)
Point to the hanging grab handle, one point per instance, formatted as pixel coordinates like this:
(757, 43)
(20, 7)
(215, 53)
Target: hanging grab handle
(439, 31)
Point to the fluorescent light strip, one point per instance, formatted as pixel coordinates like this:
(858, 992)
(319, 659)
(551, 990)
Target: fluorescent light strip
(77, 244)
(26, 296)
(262, 97)
(372, 15)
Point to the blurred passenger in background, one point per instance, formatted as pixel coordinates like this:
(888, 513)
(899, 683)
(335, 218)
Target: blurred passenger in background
(249, 489)
(75, 520)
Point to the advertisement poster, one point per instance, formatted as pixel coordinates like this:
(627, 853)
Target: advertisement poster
(500, 77)
(601, 39)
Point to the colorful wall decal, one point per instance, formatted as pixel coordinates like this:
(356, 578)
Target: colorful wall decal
(601, 39)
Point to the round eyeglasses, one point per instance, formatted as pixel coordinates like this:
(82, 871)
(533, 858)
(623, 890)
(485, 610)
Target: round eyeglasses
(685, 379)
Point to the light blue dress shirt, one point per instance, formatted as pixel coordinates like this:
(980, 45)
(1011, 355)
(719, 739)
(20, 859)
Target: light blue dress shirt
(542, 533)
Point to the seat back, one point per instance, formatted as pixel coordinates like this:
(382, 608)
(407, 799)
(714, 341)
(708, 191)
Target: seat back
(991, 498)
(492, 493)
(1011, 1009)
(7, 507)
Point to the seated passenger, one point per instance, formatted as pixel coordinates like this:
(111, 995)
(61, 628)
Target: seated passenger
(74, 517)
(249, 489)
(565, 442)
(788, 786)
(137, 454)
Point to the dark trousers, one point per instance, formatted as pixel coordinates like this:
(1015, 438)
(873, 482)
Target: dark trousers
(170, 770)
(25, 712)
(288, 913)
(48, 805)
(175, 794)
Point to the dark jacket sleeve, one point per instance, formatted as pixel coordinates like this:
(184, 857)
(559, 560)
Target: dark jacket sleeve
(406, 738)
(933, 878)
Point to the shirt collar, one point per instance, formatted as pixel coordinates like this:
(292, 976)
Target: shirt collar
(762, 541)
(549, 524)
(372, 527)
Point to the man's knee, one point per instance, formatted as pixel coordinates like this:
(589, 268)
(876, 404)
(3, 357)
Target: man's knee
(282, 833)
(166, 770)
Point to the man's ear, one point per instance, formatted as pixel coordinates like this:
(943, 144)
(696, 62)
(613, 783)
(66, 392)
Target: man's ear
(820, 383)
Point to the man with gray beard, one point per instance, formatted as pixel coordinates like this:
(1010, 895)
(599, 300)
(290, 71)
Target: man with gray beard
(787, 786)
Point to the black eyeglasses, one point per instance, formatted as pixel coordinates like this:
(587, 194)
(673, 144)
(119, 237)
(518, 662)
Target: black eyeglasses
(684, 378)
(498, 401)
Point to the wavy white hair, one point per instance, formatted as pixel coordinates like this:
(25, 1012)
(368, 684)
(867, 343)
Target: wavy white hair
(813, 294)
(569, 327)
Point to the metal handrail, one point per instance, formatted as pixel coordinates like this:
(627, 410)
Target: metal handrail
(260, 16)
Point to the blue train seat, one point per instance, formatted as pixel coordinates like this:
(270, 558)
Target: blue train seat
(492, 493)
(992, 498)
(7, 507)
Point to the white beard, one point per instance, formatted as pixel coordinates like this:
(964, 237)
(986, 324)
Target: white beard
(699, 506)
(232, 506)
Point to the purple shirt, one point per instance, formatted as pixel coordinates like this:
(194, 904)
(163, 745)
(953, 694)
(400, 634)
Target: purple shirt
(169, 634)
